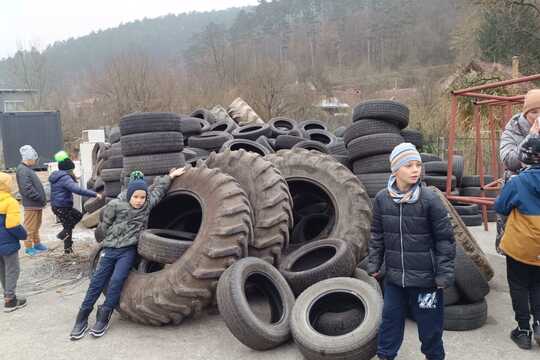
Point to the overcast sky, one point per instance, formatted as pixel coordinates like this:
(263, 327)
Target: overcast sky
(41, 22)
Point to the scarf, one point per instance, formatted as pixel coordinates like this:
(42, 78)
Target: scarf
(410, 197)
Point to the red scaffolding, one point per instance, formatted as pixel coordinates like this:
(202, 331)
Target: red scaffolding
(481, 99)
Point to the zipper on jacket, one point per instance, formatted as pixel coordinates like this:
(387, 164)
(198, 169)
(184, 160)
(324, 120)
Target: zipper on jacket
(401, 239)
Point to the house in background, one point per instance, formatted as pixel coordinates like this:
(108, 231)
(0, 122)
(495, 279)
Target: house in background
(12, 100)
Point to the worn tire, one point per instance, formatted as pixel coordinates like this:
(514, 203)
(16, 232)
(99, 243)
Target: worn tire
(224, 125)
(210, 140)
(375, 144)
(472, 220)
(164, 246)
(366, 127)
(463, 317)
(285, 142)
(374, 182)
(361, 343)
(269, 197)
(373, 164)
(149, 122)
(353, 217)
(338, 323)
(204, 115)
(429, 157)
(338, 148)
(187, 286)
(363, 275)
(236, 312)
(264, 141)
(308, 125)
(116, 162)
(469, 280)
(311, 145)
(474, 180)
(155, 164)
(466, 239)
(321, 136)
(467, 209)
(387, 110)
(152, 143)
(451, 296)
(113, 188)
(108, 175)
(190, 126)
(252, 132)
(317, 261)
(439, 181)
(413, 136)
(282, 126)
(477, 191)
(246, 145)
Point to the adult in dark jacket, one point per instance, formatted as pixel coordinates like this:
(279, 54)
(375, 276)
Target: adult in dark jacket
(63, 186)
(411, 232)
(33, 199)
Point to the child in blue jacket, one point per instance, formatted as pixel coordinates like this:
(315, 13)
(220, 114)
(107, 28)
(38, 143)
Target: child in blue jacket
(11, 233)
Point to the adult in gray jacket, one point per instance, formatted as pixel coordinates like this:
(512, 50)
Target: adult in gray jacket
(33, 199)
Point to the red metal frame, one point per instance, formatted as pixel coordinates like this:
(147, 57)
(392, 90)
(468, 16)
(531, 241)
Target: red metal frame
(503, 102)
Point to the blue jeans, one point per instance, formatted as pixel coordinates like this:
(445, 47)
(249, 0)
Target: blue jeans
(427, 308)
(113, 268)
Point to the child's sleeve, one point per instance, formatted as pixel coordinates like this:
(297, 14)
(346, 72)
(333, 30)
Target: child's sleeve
(72, 186)
(158, 189)
(13, 221)
(107, 218)
(507, 199)
(376, 242)
(445, 245)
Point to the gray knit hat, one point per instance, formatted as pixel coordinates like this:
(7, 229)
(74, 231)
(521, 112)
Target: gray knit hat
(28, 153)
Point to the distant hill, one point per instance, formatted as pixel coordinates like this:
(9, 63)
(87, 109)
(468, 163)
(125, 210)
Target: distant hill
(164, 37)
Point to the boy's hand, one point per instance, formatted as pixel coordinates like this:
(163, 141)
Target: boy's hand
(376, 275)
(99, 196)
(176, 172)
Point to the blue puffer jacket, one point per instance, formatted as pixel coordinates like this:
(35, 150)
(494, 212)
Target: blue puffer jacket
(63, 187)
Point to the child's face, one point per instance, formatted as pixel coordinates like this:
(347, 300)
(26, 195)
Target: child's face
(138, 199)
(533, 115)
(410, 173)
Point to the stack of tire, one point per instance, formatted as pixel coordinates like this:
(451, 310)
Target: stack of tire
(436, 171)
(151, 143)
(376, 129)
(470, 186)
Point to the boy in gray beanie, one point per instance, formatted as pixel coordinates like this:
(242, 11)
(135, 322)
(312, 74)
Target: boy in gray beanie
(33, 199)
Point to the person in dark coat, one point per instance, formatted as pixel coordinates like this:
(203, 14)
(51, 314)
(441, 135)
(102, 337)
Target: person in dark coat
(411, 232)
(63, 186)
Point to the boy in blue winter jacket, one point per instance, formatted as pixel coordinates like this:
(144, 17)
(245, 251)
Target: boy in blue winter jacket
(63, 186)
(11, 233)
(411, 232)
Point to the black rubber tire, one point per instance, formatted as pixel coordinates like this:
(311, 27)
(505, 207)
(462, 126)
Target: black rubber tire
(321, 136)
(264, 141)
(204, 115)
(362, 274)
(366, 127)
(148, 122)
(152, 143)
(429, 157)
(414, 137)
(114, 135)
(307, 125)
(373, 164)
(113, 163)
(463, 317)
(269, 197)
(285, 142)
(190, 126)
(375, 144)
(210, 140)
(91, 220)
(155, 164)
(317, 261)
(184, 288)
(306, 228)
(311, 145)
(451, 296)
(113, 188)
(338, 148)
(464, 237)
(94, 204)
(338, 323)
(441, 167)
(439, 181)
(234, 307)
(282, 126)
(387, 110)
(476, 191)
(224, 125)
(472, 220)
(99, 185)
(115, 150)
(492, 216)
(252, 132)
(164, 246)
(108, 175)
(353, 214)
(245, 144)
(340, 131)
(469, 280)
(361, 343)
(470, 209)
(373, 183)
(342, 159)
(474, 180)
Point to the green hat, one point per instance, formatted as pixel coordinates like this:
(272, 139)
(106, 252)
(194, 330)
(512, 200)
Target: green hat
(61, 156)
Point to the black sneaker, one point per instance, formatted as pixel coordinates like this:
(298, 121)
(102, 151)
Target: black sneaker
(536, 331)
(81, 324)
(14, 304)
(61, 235)
(522, 338)
(103, 317)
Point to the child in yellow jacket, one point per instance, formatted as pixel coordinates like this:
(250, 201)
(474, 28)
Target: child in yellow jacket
(11, 233)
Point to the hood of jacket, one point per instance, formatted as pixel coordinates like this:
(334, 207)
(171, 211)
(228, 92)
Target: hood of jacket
(57, 175)
(6, 183)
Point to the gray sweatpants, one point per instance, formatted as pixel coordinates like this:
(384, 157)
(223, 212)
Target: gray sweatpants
(9, 274)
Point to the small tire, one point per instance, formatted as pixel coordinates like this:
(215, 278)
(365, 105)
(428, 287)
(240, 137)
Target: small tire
(164, 246)
(282, 126)
(285, 142)
(472, 220)
(387, 110)
(210, 140)
(451, 296)
(155, 164)
(366, 127)
(136, 123)
(311, 145)
(152, 143)
(245, 144)
(463, 317)
(321, 136)
(375, 144)
(469, 280)
(252, 132)
(372, 164)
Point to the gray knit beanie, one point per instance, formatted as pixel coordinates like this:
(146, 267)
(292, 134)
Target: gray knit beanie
(28, 153)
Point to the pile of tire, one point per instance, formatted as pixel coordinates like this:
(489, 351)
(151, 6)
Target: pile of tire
(472, 214)
(151, 143)
(378, 126)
